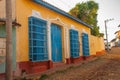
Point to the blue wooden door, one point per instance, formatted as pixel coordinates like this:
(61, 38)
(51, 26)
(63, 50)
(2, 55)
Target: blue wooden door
(56, 43)
(85, 44)
(74, 43)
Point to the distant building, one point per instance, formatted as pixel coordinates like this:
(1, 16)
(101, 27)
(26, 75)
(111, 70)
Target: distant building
(117, 34)
(116, 40)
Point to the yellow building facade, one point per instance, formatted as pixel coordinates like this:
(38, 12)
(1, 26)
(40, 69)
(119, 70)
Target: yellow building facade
(25, 9)
(48, 35)
(38, 9)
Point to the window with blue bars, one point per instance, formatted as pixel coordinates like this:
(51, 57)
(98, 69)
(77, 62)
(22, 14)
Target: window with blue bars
(85, 44)
(37, 40)
(74, 43)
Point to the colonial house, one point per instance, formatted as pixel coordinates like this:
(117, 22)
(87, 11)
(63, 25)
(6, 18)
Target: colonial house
(117, 33)
(46, 35)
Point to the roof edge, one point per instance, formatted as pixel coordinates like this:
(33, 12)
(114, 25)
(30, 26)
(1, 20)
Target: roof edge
(47, 5)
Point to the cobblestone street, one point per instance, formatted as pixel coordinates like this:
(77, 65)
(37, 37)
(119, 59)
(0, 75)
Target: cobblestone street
(104, 67)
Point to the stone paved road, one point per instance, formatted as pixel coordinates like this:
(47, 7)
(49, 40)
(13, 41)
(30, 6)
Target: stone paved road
(105, 67)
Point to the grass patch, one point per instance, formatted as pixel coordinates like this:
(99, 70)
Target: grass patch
(65, 70)
(71, 67)
(61, 71)
(23, 78)
(43, 77)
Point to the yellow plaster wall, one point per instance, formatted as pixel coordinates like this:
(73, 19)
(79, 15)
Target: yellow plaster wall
(96, 44)
(23, 11)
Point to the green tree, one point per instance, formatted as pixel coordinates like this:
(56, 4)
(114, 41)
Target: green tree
(87, 12)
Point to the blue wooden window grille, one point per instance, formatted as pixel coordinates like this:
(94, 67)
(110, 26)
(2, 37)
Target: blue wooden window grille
(85, 44)
(37, 40)
(74, 43)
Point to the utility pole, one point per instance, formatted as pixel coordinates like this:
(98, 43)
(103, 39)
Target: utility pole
(9, 40)
(106, 32)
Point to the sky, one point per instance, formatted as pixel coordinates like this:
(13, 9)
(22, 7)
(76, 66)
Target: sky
(108, 9)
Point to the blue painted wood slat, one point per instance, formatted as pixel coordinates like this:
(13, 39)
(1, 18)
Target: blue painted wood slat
(74, 43)
(85, 44)
(37, 40)
(56, 43)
